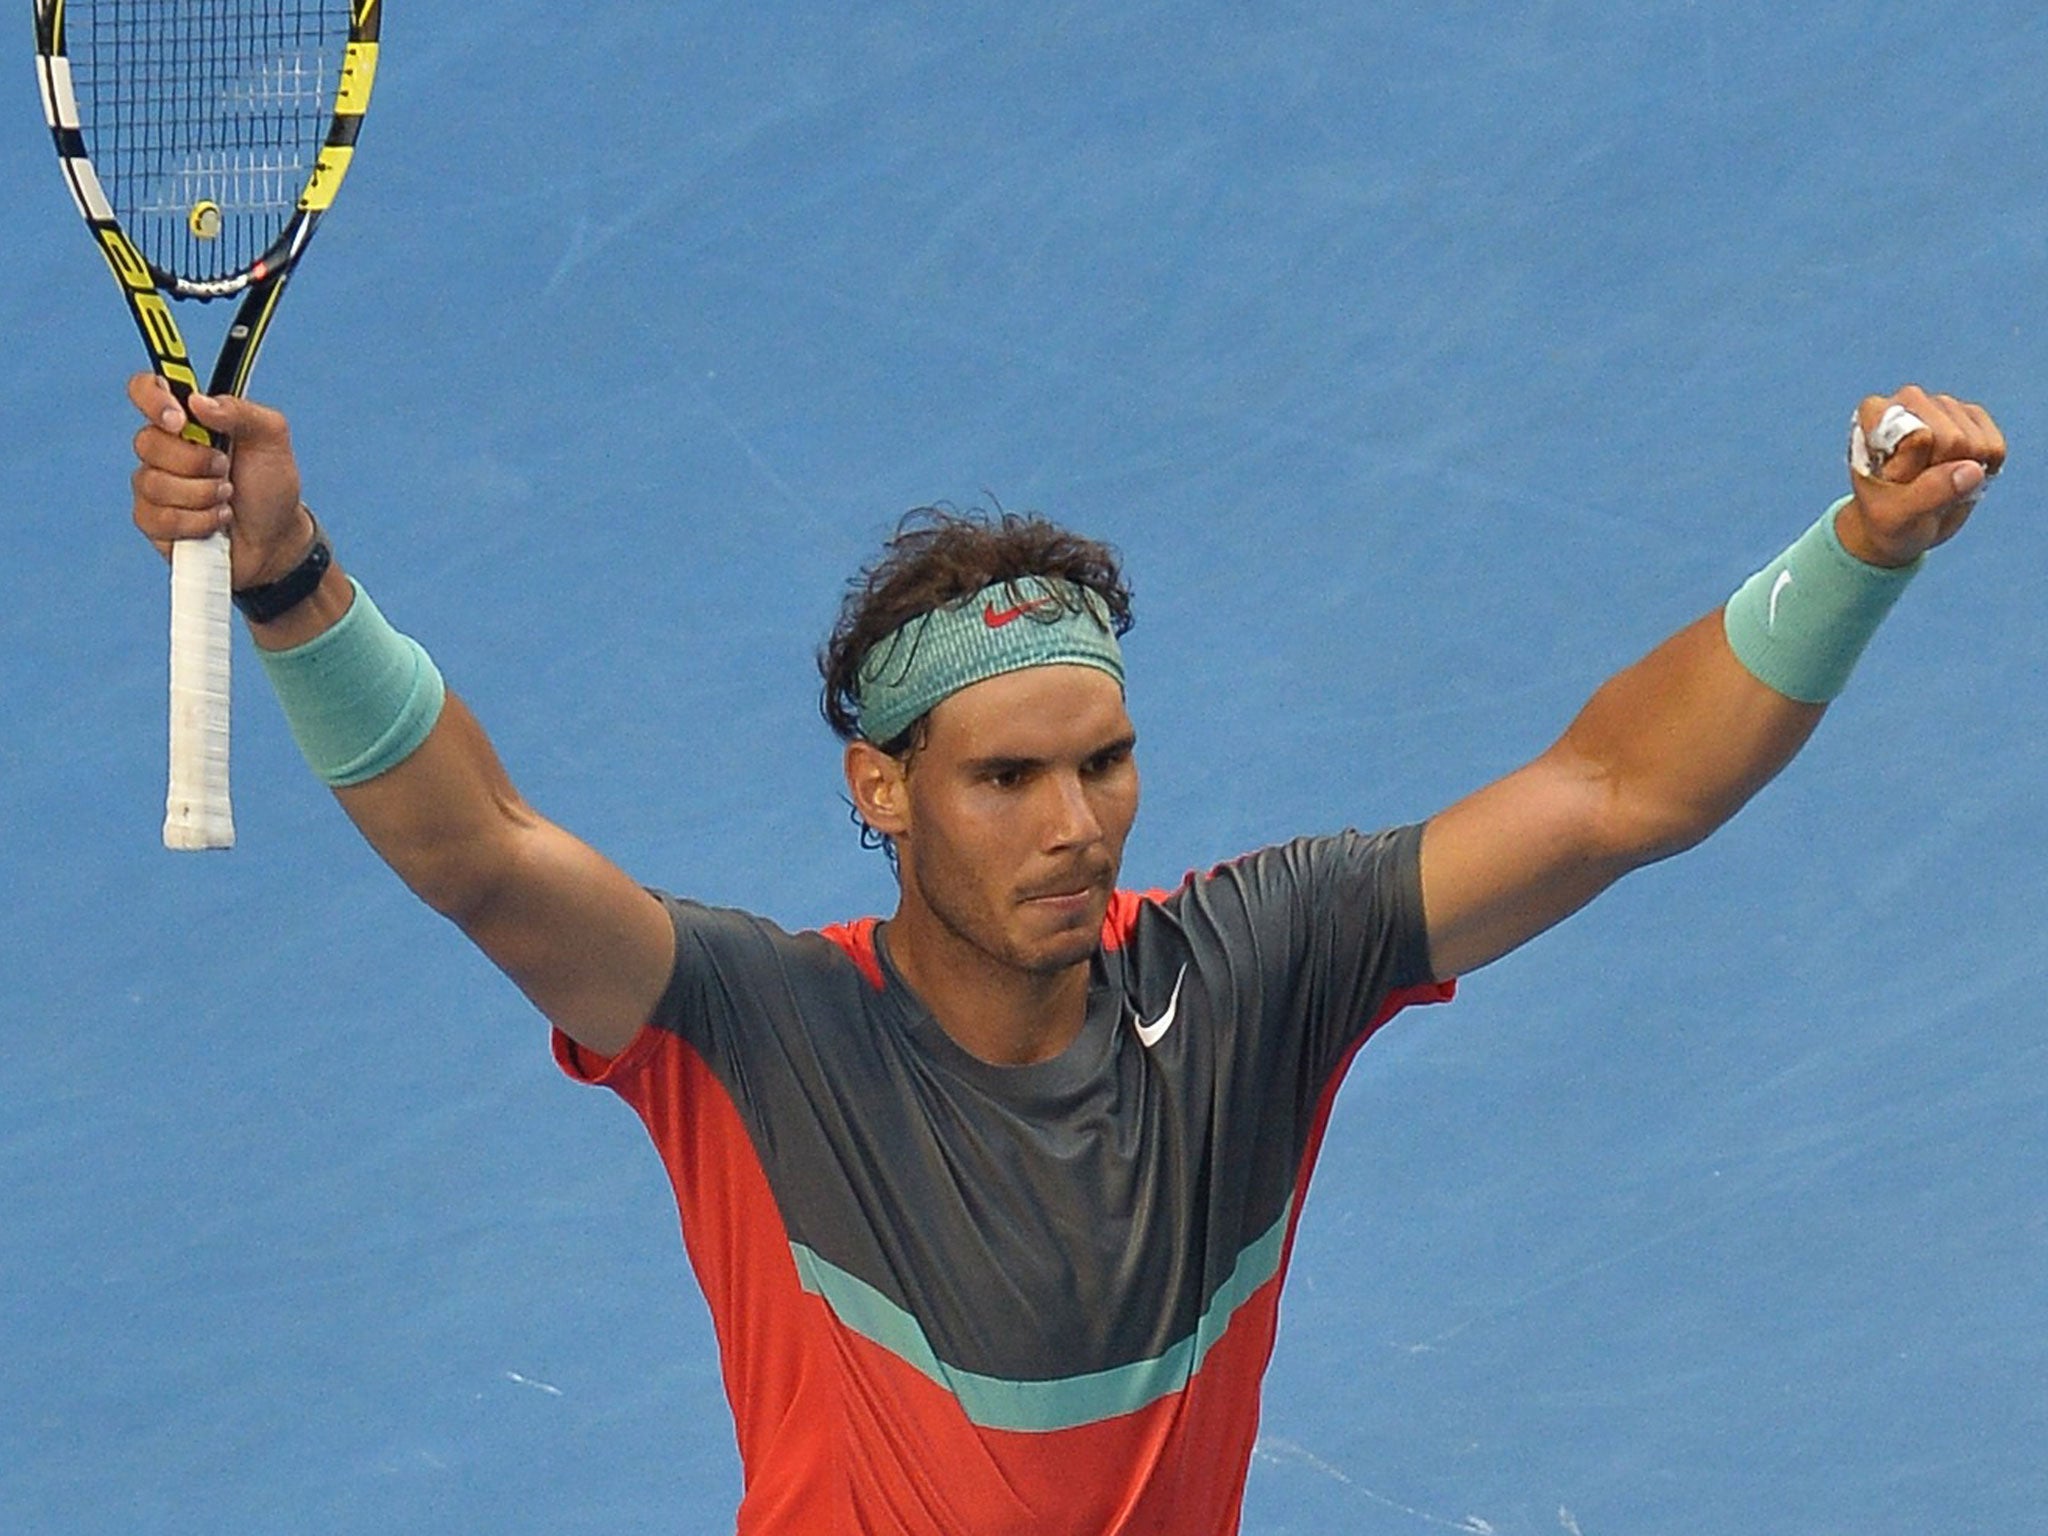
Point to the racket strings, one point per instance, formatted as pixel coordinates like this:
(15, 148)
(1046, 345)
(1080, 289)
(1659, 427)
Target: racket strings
(204, 119)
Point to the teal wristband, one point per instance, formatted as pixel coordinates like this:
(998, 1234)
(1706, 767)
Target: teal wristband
(359, 697)
(1801, 622)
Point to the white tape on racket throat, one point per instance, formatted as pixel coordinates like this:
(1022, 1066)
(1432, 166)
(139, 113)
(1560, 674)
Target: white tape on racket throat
(1869, 453)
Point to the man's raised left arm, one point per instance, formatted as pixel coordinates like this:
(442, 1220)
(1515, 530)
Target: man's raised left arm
(1671, 747)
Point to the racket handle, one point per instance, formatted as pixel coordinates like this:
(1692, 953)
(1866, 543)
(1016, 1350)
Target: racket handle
(197, 812)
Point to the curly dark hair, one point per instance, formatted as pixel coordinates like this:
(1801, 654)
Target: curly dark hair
(940, 555)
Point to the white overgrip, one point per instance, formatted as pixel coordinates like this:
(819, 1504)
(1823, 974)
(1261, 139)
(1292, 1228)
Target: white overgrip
(197, 812)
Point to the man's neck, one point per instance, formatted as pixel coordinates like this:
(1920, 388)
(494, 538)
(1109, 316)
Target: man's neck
(1001, 1014)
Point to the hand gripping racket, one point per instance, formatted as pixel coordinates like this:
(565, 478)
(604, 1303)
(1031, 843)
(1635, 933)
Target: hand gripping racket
(202, 141)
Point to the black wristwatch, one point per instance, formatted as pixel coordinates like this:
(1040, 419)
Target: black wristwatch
(276, 598)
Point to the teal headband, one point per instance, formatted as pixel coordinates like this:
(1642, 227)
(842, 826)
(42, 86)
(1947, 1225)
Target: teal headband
(1033, 621)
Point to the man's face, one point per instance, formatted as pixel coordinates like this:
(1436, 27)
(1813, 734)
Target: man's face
(1018, 803)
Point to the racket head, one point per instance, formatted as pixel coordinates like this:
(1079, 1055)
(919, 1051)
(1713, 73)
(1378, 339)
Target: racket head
(202, 140)
(208, 135)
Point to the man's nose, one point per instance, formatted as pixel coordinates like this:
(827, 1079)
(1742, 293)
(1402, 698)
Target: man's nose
(1072, 821)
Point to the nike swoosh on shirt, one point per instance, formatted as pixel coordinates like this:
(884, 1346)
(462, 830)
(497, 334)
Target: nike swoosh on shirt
(1149, 1034)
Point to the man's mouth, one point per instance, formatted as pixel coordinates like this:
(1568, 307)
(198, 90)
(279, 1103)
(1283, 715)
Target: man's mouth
(1076, 887)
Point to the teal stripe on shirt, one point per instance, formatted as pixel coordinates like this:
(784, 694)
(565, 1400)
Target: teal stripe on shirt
(1040, 1406)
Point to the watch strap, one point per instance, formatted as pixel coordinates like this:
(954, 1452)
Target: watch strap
(274, 599)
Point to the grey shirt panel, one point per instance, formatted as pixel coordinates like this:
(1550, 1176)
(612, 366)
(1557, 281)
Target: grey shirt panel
(1080, 1213)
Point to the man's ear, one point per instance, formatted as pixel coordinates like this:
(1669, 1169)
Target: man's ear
(874, 780)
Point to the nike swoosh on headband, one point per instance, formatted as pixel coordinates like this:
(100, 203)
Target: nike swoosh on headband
(996, 618)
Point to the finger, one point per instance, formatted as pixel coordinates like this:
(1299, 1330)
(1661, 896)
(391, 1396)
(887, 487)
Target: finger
(1969, 482)
(1891, 440)
(1990, 440)
(161, 448)
(1966, 478)
(164, 526)
(1962, 433)
(243, 420)
(149, 394)
(1942, 491)
(1940, 441)
(1906, 434)
(154, 487)
(1950, 433)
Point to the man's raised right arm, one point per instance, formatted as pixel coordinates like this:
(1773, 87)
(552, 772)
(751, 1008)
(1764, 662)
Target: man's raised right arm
(580, 938)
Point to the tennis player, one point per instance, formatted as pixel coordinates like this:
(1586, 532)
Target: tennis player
(992, 1200)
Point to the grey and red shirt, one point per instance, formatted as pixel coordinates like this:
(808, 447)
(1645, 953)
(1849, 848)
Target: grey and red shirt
(954, 1298)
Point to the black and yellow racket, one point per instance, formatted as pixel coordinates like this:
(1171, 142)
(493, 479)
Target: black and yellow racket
(202, 141)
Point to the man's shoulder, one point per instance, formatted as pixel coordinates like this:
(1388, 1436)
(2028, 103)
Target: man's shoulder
(735, 936)
(1297, 863)
(1307, 891)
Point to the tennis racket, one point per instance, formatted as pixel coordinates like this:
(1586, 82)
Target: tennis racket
(202, 141)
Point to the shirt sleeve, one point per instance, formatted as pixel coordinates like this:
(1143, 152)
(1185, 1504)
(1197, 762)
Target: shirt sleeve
(1366, 945)
(1322, 940)
(714, 946)
(746, 999)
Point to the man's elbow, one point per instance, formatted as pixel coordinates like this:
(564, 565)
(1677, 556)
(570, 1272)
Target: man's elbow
(1636, 829)
(464, 870)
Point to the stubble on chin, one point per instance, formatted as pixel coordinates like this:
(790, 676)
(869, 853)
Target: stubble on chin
(1074, 943)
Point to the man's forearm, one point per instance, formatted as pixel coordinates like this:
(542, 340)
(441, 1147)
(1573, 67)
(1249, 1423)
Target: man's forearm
(440, 810)
(1662, 754)
(582, 940)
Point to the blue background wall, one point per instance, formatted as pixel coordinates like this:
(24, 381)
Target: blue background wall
(1428, 362)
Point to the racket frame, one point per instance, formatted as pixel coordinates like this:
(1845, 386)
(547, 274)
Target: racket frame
(198, 807)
